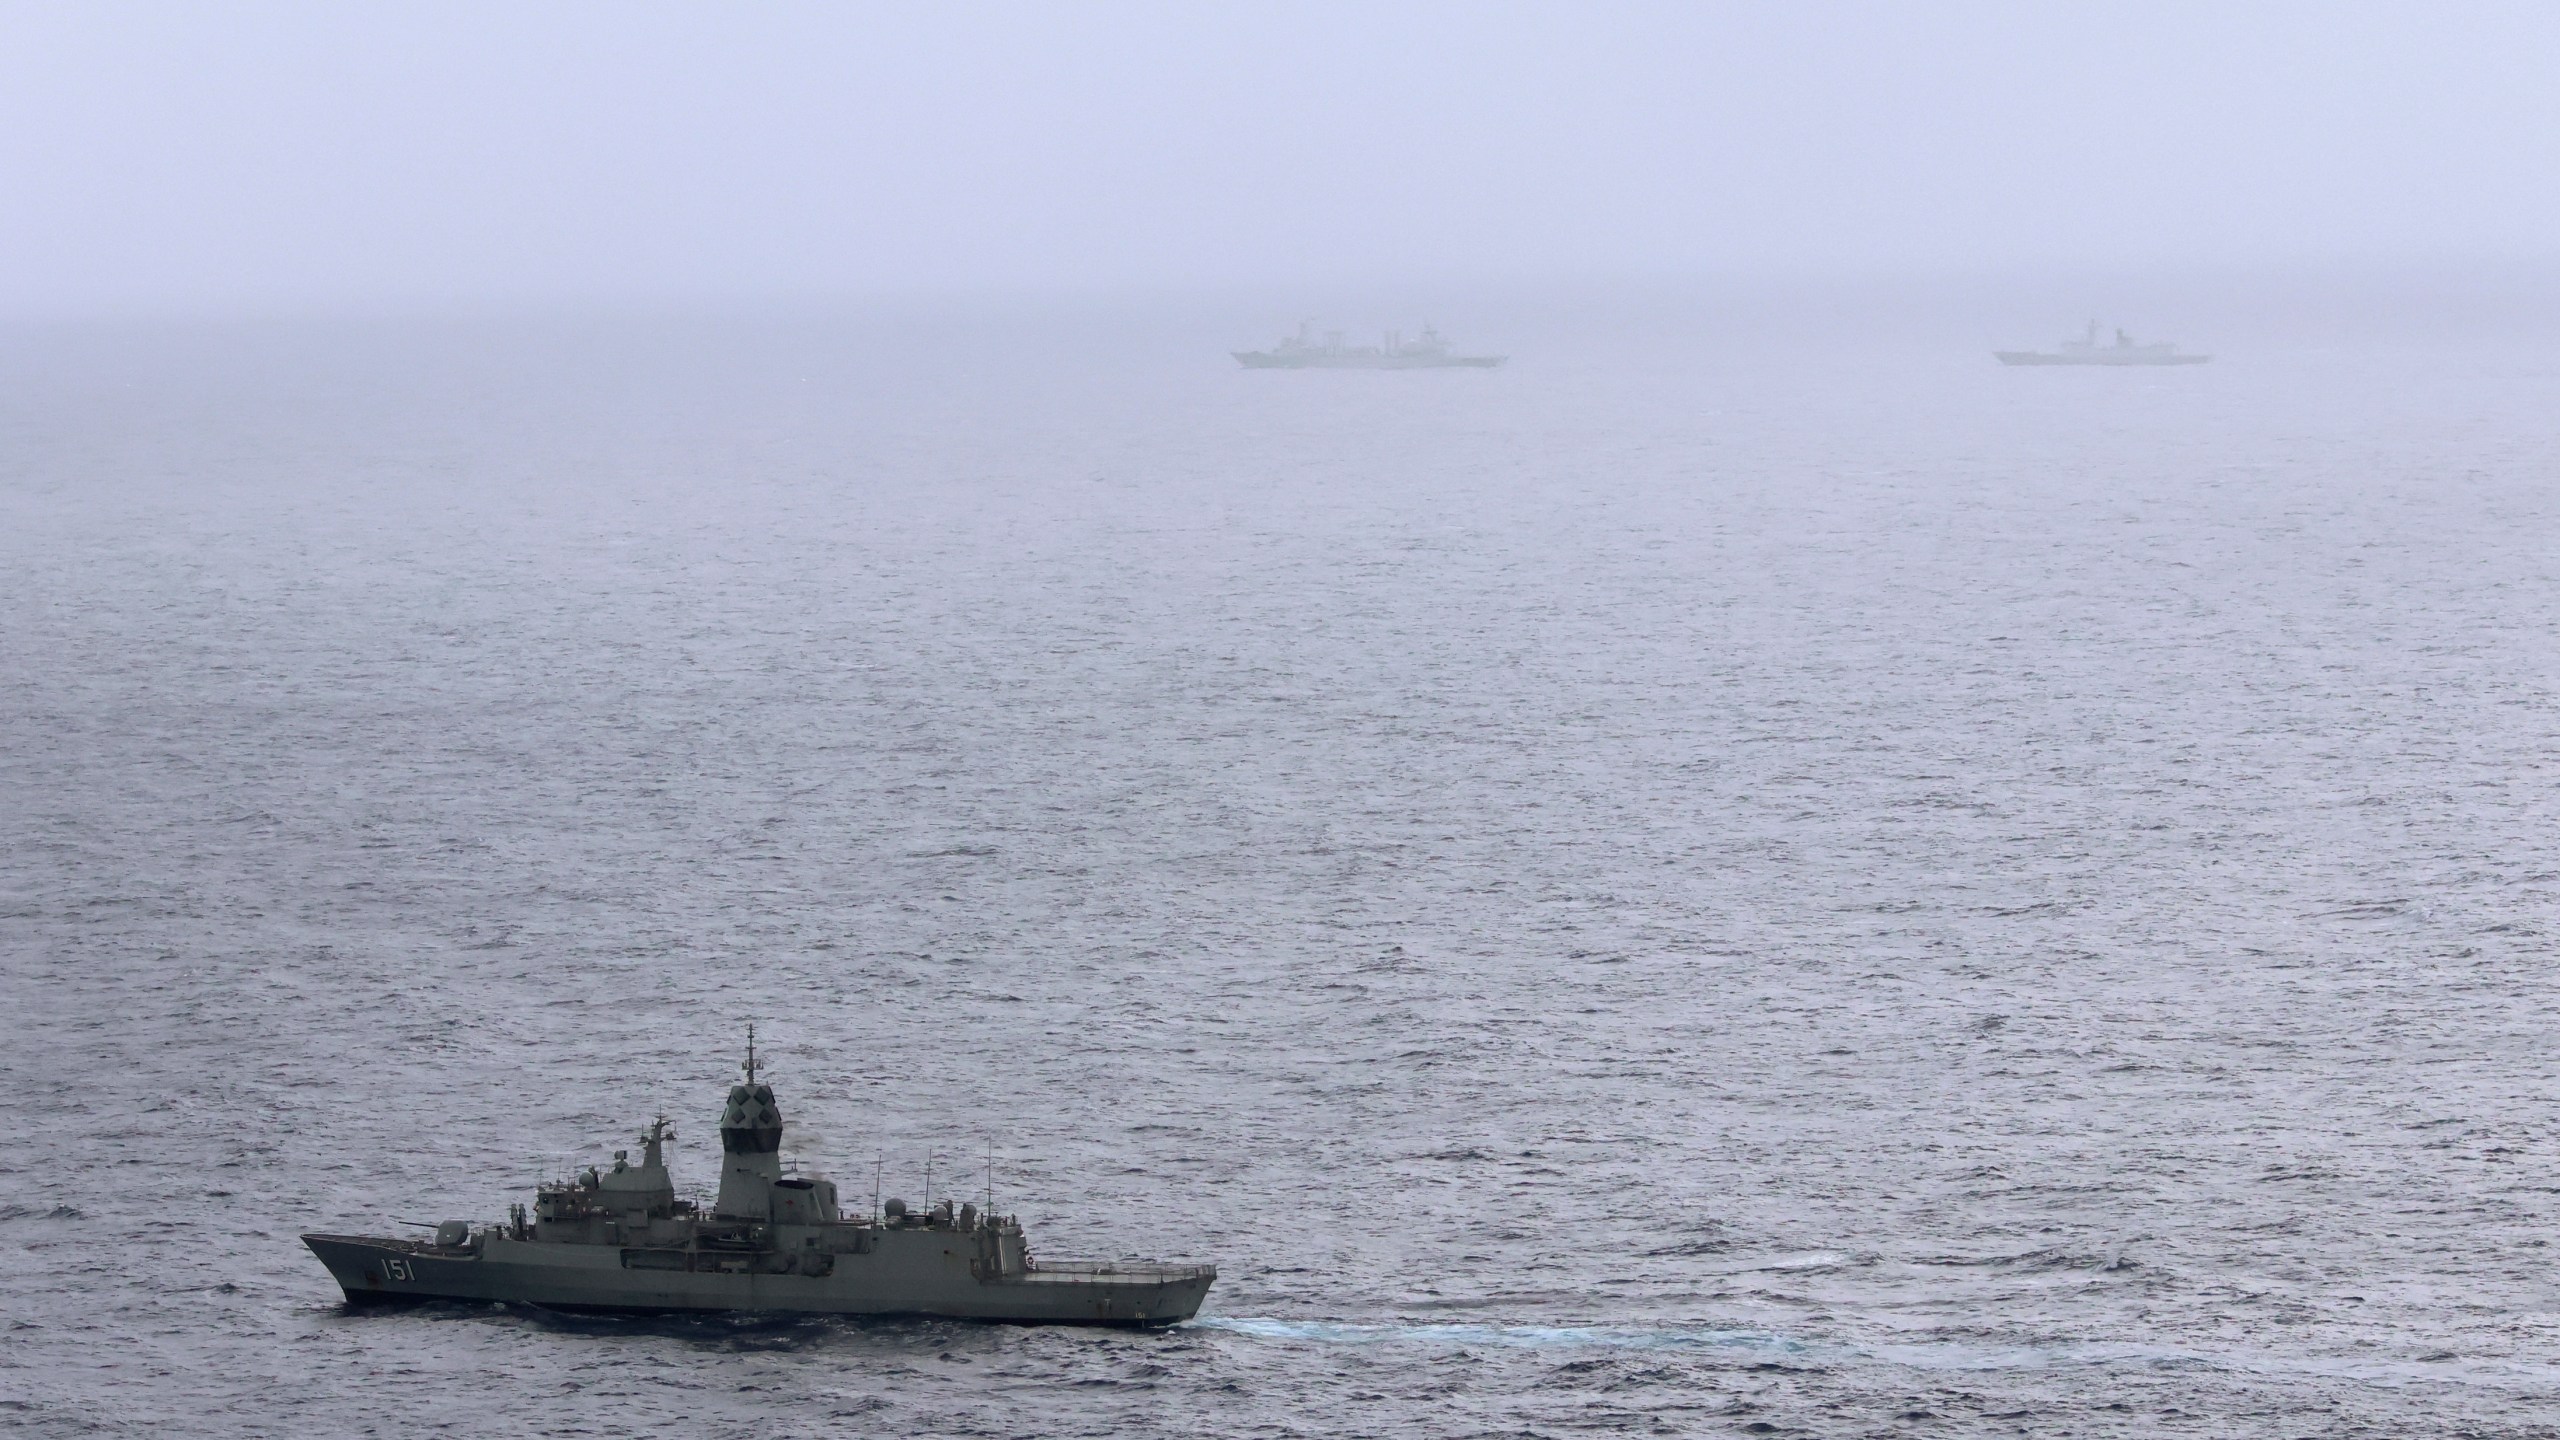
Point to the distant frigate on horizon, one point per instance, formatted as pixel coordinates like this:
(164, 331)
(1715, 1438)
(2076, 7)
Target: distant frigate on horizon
(620, 1240)
(2087, 351)
(1428, 351)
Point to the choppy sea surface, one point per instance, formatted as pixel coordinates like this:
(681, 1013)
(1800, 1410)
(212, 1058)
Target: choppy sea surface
(1693, 892)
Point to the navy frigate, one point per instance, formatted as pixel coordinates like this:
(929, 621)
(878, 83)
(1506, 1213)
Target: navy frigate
(621, 1240)
(1426, 351)
(2087, 351)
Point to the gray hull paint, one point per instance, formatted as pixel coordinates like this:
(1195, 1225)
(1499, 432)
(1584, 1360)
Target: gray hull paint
(910, 1272)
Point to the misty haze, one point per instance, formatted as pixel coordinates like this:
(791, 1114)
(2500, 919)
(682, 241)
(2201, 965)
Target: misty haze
(1398, 719)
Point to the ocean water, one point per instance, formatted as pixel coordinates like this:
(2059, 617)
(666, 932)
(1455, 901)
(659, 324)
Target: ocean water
(1708, 889)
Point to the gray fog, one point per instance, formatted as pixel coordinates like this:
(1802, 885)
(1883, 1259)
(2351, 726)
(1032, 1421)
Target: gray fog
(294, 156)
(1802, 857)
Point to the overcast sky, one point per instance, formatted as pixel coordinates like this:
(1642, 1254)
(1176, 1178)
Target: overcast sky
(244, 155)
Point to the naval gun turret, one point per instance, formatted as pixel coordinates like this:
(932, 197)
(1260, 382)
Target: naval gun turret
(622, 1240)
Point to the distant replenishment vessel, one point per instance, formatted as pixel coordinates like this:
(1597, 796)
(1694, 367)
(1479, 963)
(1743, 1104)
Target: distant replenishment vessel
(2087, 351)
(1425, 352)
(620, 1240)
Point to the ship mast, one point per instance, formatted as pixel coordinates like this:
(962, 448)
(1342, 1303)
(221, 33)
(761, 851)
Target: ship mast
(750, 1142)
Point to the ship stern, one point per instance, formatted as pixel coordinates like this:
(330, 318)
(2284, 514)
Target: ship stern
(1132, 1296)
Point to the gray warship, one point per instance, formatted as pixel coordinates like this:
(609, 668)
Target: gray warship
(2087, 351)
(620, 1240)
(1426, 351)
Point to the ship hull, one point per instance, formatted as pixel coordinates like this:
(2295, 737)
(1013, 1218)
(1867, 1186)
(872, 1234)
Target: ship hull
(2037, 357)
(914, 1273)
(1264, 360)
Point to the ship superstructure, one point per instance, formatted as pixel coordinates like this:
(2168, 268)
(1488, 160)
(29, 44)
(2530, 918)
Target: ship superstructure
(621, 1240)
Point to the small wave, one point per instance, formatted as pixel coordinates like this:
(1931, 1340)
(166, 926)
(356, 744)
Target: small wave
(1517, 1337)
(2365, 910)
(1809, 1260)
(2046, 1259)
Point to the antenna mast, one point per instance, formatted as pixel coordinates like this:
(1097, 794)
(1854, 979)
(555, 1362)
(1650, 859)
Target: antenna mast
(751, 1052)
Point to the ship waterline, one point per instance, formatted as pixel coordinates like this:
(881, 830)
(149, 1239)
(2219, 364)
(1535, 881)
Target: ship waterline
(927, 1272)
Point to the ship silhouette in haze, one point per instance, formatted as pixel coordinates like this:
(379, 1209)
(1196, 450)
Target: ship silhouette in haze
(2087, 351)
(1427, 351)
